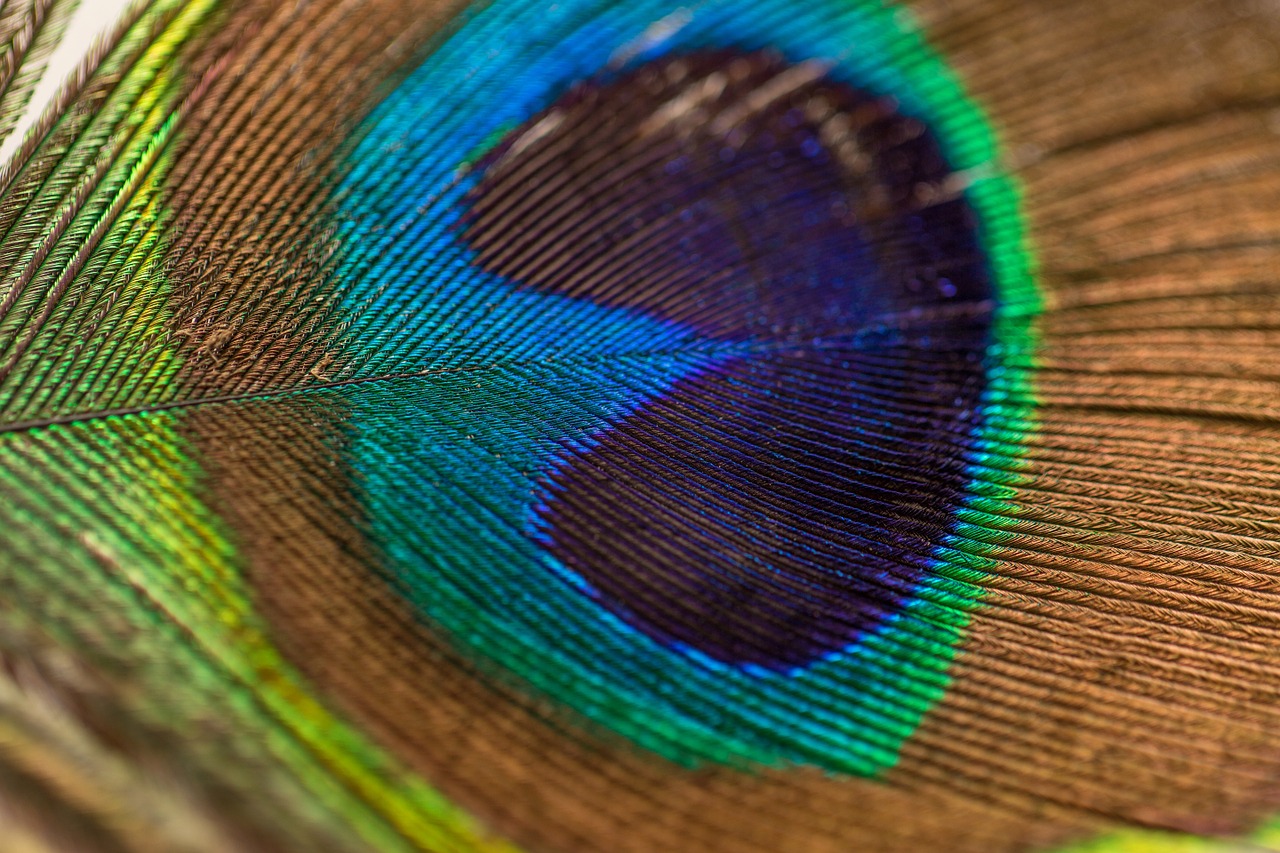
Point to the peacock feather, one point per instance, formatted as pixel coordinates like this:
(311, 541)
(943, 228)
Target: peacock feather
(642, 425)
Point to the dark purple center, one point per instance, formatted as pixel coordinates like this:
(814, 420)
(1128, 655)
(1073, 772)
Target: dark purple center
(771, 508)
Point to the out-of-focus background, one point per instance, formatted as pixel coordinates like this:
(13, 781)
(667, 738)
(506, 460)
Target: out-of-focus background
(91, 20)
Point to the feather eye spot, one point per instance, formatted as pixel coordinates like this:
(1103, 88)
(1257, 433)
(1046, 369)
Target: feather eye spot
(808, 253)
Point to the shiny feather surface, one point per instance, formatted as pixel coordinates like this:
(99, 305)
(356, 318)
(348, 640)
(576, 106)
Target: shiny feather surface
(633, 425)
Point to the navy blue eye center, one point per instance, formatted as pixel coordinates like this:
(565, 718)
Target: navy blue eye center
(774, 505)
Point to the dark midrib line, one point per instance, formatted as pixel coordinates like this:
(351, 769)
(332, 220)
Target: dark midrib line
(1167, 120)
(715, 349)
